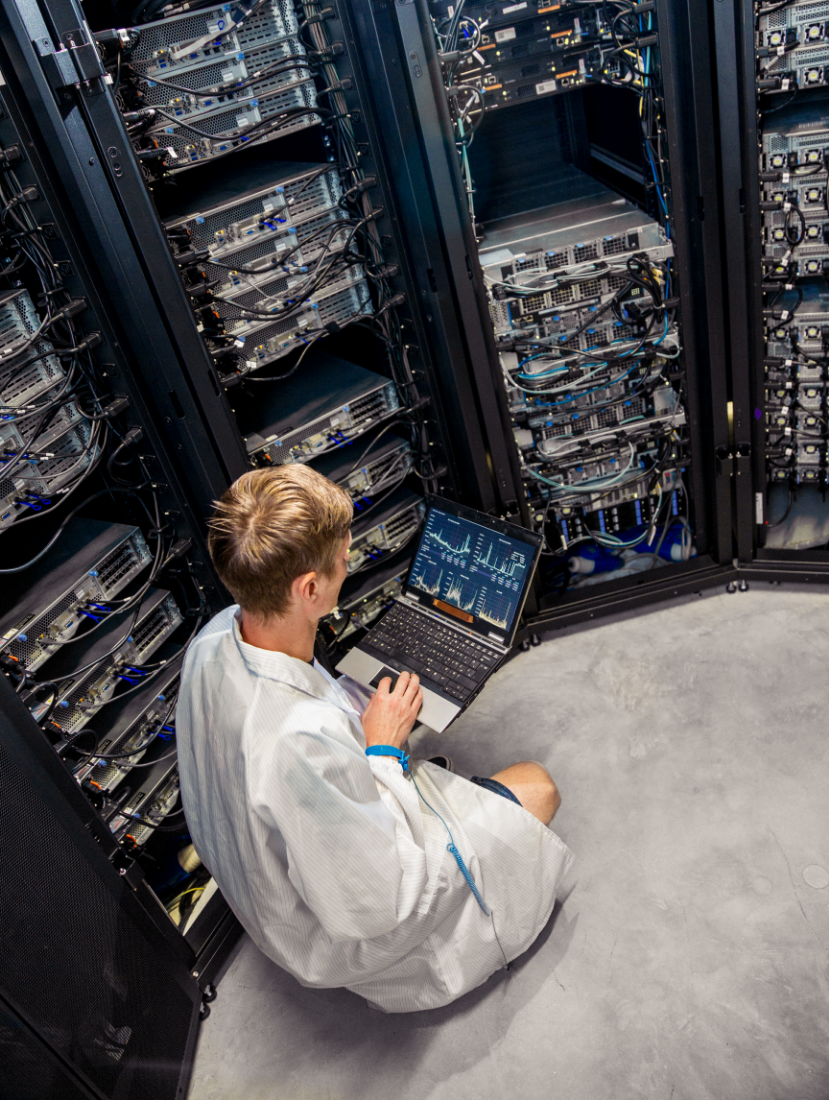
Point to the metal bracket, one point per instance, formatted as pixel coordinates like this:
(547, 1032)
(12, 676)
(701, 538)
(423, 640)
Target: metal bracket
(75, 64)
(725, 463)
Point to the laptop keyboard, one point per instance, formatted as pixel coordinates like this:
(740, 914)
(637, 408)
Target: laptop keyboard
(435, 652)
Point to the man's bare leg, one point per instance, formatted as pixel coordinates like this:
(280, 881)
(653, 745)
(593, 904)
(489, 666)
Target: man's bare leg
(534, 788)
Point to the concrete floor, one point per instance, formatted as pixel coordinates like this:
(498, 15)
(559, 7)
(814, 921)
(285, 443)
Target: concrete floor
(688, 955)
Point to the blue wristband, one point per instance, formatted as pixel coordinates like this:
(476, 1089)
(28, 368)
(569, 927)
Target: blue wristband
(389, 750)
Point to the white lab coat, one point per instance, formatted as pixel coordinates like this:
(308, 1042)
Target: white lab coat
(328, 857)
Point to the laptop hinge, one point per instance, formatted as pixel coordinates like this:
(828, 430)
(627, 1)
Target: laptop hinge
(409, 601)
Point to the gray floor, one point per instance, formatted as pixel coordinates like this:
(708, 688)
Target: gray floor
(688, 955)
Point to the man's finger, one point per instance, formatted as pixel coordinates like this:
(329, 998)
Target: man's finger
(385, 690)
(402, 682)
(412, 686)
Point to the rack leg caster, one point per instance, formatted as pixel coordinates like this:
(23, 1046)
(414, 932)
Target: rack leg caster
(209, 994)
(535, 640)
(525, 646)
(743, 586)
(731, 587)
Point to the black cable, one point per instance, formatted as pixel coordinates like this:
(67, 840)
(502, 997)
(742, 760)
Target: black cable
(285, 64)
(60, 530)
(113, 755)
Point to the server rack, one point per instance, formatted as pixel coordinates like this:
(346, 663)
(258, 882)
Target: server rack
(183, 378)
(400, 42)
(773, 114)
(108, 472)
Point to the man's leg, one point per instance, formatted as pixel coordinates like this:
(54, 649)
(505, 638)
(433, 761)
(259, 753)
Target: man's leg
(534, 788)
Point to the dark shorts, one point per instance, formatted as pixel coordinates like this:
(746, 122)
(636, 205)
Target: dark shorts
(496, 788)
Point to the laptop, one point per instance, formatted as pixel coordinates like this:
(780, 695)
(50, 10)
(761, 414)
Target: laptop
(458, 611)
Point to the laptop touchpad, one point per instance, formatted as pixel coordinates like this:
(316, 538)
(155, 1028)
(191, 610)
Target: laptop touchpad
(385, 671)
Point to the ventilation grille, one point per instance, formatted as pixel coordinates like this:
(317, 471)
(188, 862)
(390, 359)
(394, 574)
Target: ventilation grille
(584, 252)
(265, 250)
(29, 652)
(276, 21)
(237, 322)
(189, 146)
(50, 474)
(614, 246)
(386, 536)
(119, 567)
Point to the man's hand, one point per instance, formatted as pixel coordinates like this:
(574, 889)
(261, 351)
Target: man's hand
(389, 717)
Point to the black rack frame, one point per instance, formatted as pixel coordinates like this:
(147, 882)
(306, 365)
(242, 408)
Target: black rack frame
(398, 39)
(734, 43)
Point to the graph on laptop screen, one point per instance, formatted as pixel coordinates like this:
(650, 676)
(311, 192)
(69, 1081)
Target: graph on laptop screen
(478, 571)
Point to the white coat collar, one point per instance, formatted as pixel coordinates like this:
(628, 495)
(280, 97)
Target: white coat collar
(279, 666)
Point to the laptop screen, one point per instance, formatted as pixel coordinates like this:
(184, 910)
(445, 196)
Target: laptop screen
(476, 574)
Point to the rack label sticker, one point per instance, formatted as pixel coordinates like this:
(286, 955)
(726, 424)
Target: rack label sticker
(514, 7)
(545, 86)
(505, 35)
(227, 76)
(758, 508)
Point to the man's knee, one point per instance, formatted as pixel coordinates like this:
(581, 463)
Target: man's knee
(546, 795)
(547, 789)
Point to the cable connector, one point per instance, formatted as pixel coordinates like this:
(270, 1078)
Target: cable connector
(192, 256)
(362, 185)
(91, 340)
(71, 309)
(344, 85)
(179, 547)
(152, 154)
(145, 114)
(115, 407)
(133, 436)
(10, 155)
(334, 50)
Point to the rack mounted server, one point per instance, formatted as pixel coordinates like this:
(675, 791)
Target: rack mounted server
(69, 590)
(326, 407)
(383, 463)
(385, 529)
(87, 675)
(124, 732)
(199, 85)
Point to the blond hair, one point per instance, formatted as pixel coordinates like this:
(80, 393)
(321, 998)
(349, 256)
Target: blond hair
(272, 526)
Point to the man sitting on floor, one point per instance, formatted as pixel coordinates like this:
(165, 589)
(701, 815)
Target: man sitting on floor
(337, 867)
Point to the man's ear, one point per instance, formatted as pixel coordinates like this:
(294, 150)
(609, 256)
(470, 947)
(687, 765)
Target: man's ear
(304, 587)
